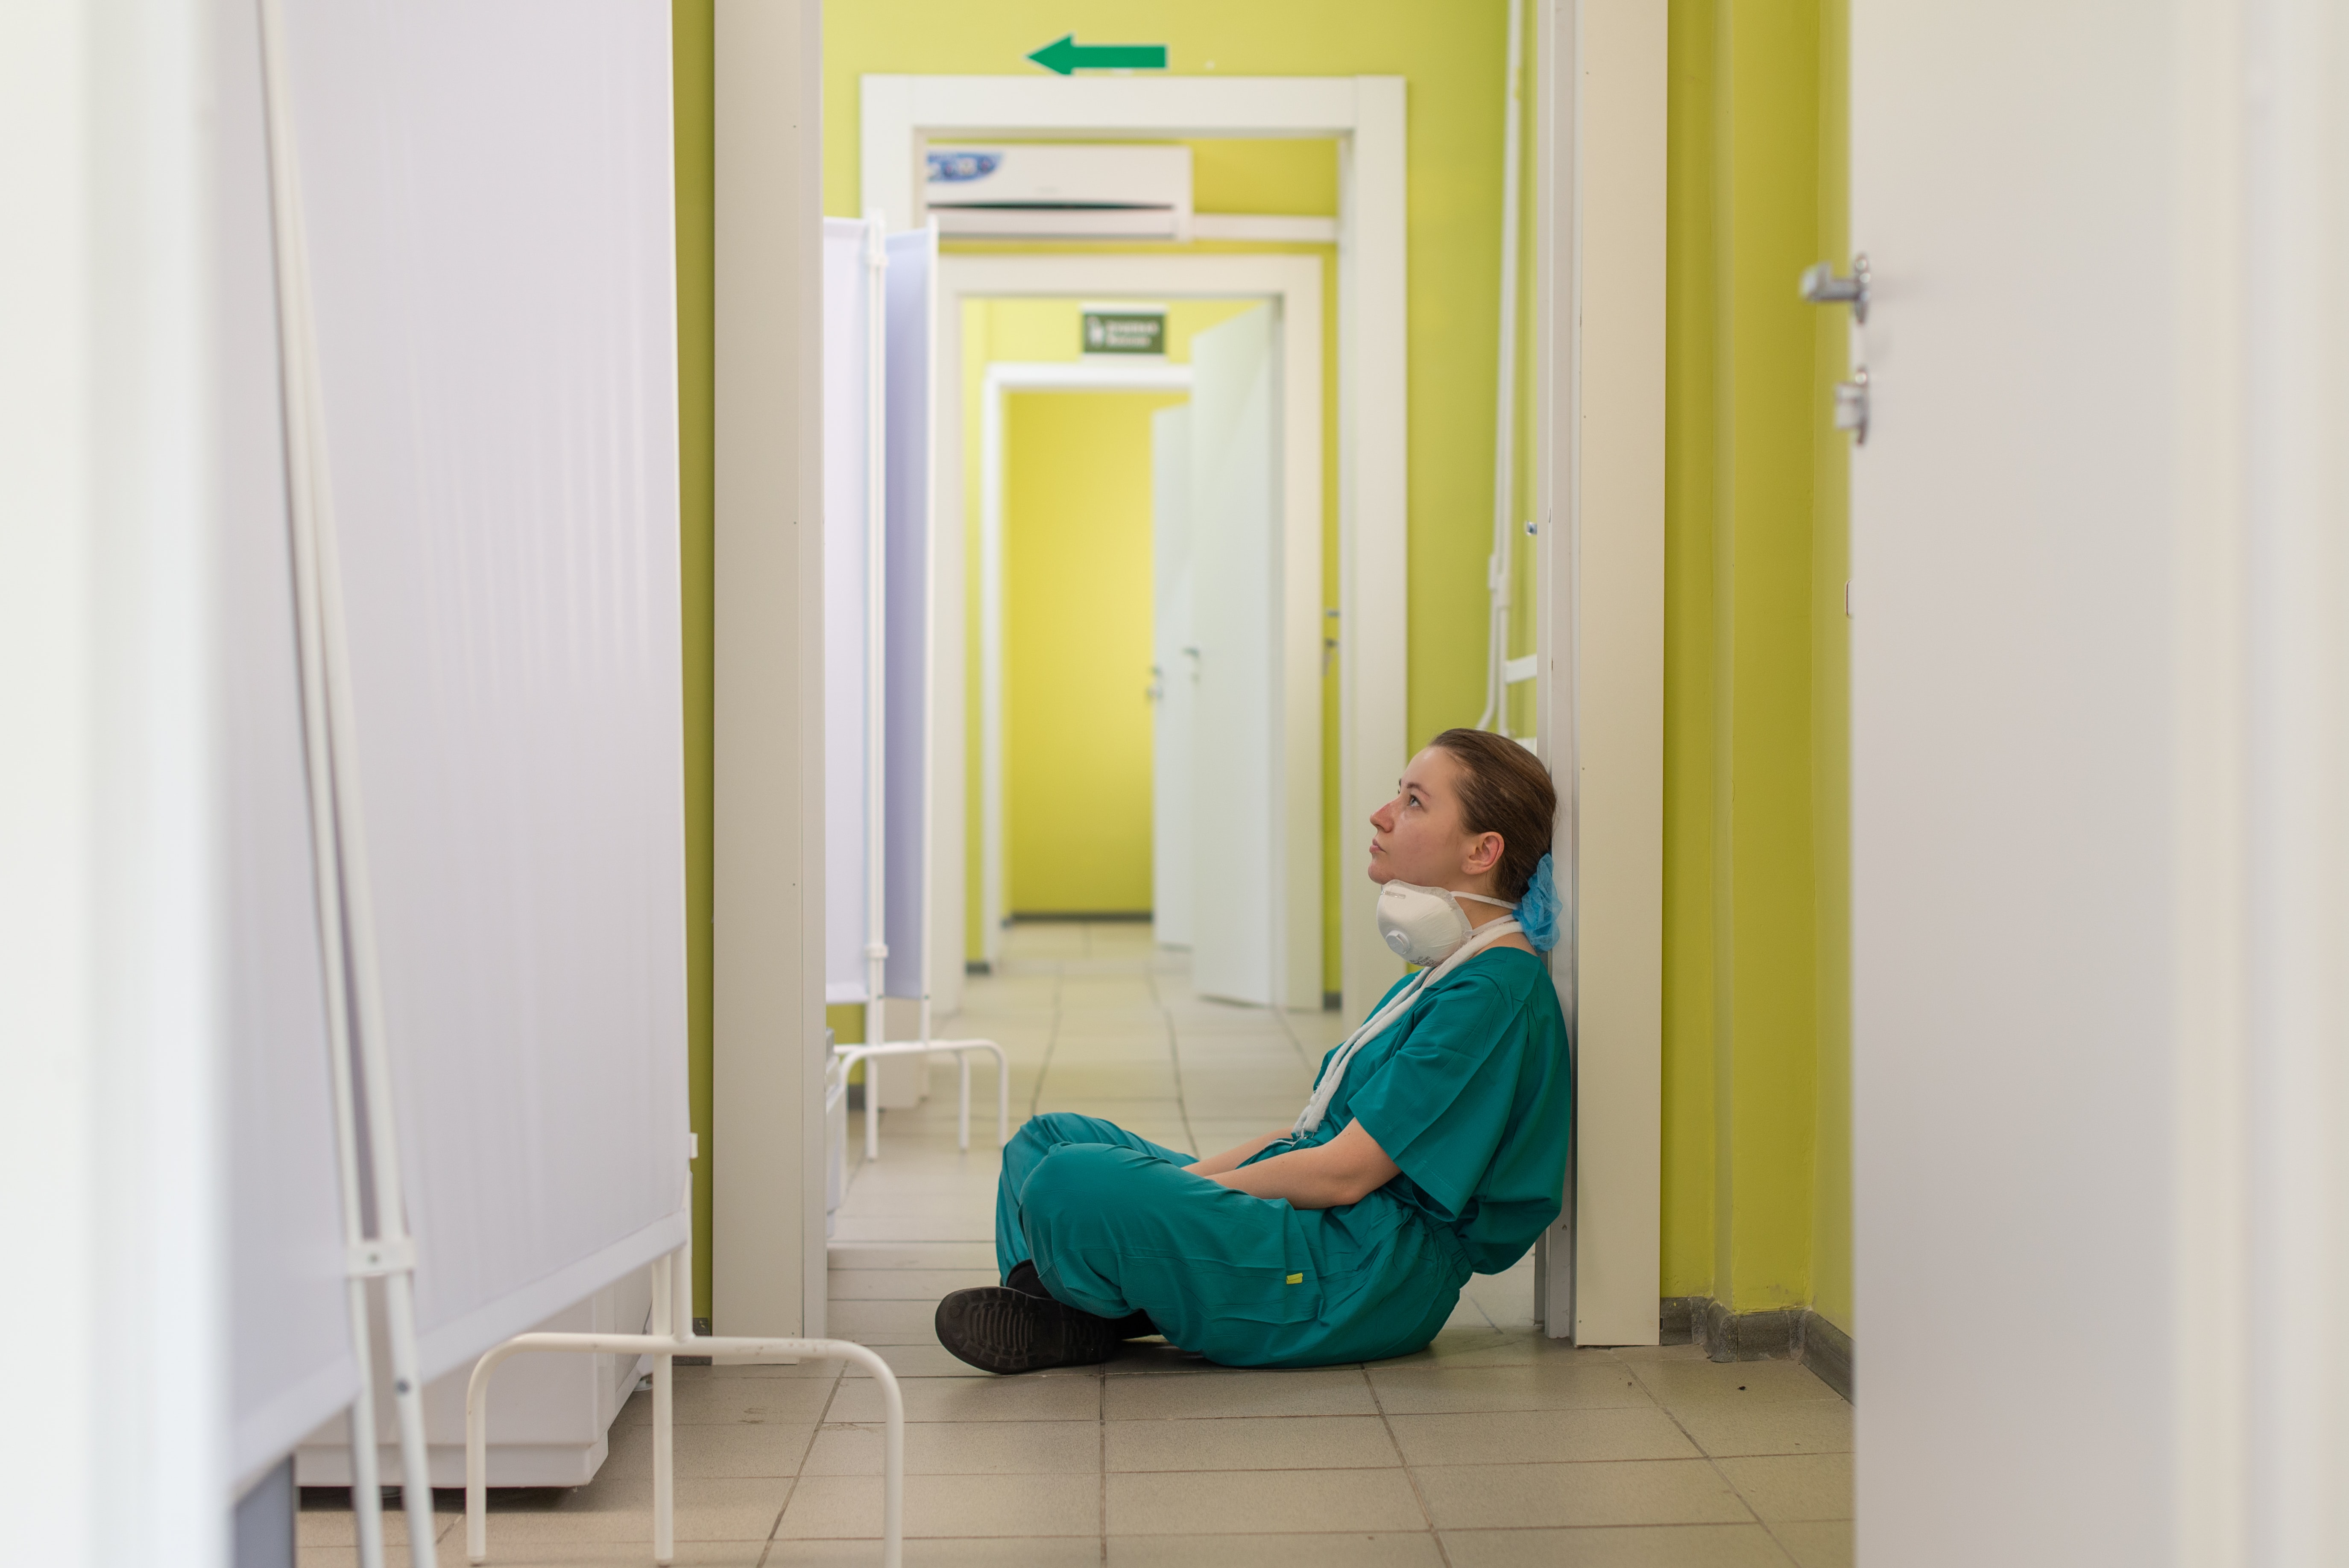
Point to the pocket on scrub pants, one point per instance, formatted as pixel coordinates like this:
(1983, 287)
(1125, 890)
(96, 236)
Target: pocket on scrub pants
(1273, 1294)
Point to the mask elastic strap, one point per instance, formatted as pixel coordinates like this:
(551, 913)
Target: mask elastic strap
(1309, 1118)
(1480, 898)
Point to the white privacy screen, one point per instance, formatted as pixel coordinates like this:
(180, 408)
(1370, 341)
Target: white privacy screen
(912, 295)
(847, 305)
(290, 1358)
(487, 192)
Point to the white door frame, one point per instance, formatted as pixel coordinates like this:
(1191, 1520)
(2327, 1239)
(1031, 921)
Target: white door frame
(1599, 387)
(1293, 283)
(1003, 377)
(1364, 115)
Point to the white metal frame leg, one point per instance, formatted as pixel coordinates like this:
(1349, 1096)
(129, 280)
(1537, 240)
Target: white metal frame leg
(849, 1055)
(664, 1348)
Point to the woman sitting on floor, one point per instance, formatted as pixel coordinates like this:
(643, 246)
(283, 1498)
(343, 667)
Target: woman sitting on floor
(1434, 1145)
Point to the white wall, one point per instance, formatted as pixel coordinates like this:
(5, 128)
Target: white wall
(109, 994)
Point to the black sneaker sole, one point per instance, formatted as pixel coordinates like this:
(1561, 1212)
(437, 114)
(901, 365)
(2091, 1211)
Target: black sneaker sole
(1001, 1330)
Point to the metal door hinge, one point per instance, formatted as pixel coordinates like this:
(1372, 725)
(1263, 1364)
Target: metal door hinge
(1821, 287)
(1851, 406)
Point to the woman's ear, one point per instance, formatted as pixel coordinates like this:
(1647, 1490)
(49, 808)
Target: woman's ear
(1484, 854)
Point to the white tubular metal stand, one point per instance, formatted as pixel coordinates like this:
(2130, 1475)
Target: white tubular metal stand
(354, 986)
(848, 1056)
(671, 1305)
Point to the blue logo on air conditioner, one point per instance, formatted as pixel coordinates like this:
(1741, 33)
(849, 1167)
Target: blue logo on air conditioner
(957, 168)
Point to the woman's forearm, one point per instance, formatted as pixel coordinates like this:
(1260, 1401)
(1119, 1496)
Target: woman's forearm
(1346, 1170)
(1232, 1157)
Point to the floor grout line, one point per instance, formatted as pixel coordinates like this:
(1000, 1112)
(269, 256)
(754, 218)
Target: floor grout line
(1709, 1458)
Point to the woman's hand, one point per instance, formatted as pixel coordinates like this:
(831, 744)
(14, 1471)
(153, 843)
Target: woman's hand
(1346, 1170)
(1231, 1159)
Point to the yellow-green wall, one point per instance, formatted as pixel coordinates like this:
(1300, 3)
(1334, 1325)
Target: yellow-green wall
(1077, 650)
(1756, 1059)
(1737, 70)
(691, 63)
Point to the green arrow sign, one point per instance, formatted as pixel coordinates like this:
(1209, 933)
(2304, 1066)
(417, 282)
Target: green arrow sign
(1066, 56)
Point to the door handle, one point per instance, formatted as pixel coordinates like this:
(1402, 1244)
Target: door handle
(1821, 287)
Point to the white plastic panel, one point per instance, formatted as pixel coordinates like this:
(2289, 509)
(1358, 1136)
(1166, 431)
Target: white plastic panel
(847, 302)
(1176, 682)
(908, 859)
(488, 191)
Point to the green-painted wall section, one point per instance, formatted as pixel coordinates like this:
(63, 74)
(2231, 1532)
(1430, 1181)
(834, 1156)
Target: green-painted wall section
(1077, 650)
(1756, 1053)
(692, 64)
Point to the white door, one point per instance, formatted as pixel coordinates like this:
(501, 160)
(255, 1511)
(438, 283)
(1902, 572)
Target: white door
(1175, 676)
(1238, 951)
(2042, 197)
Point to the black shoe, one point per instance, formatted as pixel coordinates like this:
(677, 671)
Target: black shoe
(1023, 1278)
(998, 1329)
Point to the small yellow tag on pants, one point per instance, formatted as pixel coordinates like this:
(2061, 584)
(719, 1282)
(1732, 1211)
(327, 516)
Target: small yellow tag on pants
(1297, 1279)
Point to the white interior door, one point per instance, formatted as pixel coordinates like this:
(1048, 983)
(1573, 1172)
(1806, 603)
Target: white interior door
(1239, 840)
(2016, 644)
(1175, 677)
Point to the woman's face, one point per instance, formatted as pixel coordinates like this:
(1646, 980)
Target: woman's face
(1419, 836)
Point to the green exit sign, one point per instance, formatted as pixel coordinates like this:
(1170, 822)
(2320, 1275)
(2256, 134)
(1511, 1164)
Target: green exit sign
(1125, 331)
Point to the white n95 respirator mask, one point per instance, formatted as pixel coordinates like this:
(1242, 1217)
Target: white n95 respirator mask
(1426, 924)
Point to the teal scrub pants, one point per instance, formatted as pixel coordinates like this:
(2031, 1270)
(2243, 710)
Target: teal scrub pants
(1114, 1224)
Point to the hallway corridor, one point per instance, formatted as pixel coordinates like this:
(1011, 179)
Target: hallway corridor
(1494, 1448)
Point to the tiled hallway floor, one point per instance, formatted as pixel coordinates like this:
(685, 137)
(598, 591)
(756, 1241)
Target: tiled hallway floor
(1493, 1448)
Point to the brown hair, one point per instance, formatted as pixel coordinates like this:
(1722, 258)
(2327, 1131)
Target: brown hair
(1504, 790)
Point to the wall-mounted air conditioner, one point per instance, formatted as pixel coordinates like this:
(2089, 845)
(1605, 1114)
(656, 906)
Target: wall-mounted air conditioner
(1061, 191)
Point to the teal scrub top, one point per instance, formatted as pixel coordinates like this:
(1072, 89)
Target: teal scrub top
(1471, 1094)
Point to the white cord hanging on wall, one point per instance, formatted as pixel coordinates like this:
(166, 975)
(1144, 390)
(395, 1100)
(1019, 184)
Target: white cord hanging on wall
(1500, 671)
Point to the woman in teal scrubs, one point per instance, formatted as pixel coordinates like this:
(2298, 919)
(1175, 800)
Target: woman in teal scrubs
(1435, 1146)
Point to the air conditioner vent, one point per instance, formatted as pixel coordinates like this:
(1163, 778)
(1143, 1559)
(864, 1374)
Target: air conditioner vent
(1061, 191)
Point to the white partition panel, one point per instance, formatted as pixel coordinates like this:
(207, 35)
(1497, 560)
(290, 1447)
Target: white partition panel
(847, 302)
(1175, 677)
(291, 1363)
(911, 292)
(488, 194)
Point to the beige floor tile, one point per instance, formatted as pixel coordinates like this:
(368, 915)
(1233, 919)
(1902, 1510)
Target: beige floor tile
(1623, 1546)
(736, 1450)
(1525, 1436)
(330, 1523)
(963, 1227)
(507, 1553)
(1056, 1397)
(885, 1322)
(1112, 1050)
(770, 1400)
(949, 1551)
(1722, 1428)
(1415, 1550)
(1249, 1502)
(1794, 1487)
(1658, 1352)
(1592, 1381)
(1485, 1346)
(931, 1361)
(1225, 1393)
(836, 1506)
(913, 1255)
(1634, 1491)
(965, 1448)
(1070, 1083)
(1466, 1313)
(1257, 1443)
(1817, 1543)
(906, 1284)
(1129, 1112)
(1678, 1383)
(825, 1370)
(707, 1510)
